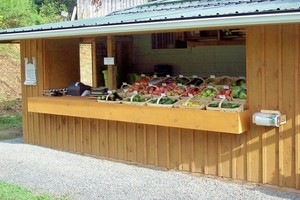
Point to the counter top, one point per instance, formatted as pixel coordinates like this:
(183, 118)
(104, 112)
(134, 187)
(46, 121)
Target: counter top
(227, 122)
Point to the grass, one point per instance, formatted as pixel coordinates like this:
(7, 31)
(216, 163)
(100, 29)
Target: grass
(10, 114)
(10, 119)
(14, 192)
(7, 122)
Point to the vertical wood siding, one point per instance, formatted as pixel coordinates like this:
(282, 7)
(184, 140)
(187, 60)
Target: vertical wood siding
(273, 78)
(264, 154)
(86, 9)
(32, 121)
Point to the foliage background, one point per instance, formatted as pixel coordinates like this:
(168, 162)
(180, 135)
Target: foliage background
(18, 13)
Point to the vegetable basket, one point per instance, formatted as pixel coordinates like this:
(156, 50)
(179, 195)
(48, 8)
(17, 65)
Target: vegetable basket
(226, 80)
(162, 101)
(207, 93)
(179, 91)
(225, 106)
(108, 99)
(193, 103)
(124, 89)
(137, 99)
(196, 81)
(211, 81)
(182, 80)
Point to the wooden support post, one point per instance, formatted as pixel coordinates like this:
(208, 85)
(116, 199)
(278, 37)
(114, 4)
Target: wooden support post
(111, 68)
(95, 73)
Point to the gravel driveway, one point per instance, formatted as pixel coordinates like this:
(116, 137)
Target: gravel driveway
(82, 177)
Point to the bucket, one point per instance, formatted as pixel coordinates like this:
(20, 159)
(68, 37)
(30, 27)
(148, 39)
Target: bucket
(105, 74)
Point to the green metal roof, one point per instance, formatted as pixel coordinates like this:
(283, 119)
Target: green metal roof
(168, 15)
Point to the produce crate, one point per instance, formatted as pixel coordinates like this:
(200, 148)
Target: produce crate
(226, 80)
(211, 81)
(182, 80)
(137, 99)
(233, 106)
(196, 81)
(108, 99)
(162, 101)
(193, 103)
(207, 93)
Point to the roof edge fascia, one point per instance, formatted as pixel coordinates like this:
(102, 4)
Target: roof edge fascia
(135, 28)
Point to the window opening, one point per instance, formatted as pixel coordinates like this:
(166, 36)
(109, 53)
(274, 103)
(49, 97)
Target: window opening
(86, 64)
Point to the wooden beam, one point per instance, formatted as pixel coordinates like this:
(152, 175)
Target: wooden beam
(94, 64)
(111, 68)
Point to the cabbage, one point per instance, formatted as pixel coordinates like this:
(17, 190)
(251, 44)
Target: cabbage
(242, 94)
(235, 91)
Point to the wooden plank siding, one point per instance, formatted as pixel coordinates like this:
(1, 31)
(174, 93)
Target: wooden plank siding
(273, 78)
(264, 154)
(88, 9)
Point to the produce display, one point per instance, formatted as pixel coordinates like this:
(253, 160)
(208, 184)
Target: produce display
(162, 101)
(193, 103)
(207, 93)
(225, 105)
(239, 89)
(136, 99)
(166, 91)
(113, 96)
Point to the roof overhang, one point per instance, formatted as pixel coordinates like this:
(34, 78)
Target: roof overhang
(156, 26)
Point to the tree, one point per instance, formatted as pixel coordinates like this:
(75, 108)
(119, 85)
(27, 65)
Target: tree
(17, 13)
(50, 10)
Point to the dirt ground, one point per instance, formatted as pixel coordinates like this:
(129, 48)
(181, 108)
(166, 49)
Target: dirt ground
(10, 76)
(11, 133)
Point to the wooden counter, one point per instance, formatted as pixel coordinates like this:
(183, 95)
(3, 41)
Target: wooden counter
(227, 122)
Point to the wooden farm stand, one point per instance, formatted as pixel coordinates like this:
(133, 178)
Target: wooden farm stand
(207, 142)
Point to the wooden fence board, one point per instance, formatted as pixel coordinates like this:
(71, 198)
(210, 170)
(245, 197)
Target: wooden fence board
(121, 132)
(151, 144)
(175, 148)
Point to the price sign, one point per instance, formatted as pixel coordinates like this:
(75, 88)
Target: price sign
(143, 75)
(180, 76)
(109, 61)
(226, 87)
(194, 76)
(212, 76)
(150, 84)
(154, 76)
(124, 83)
(109, 92)
(242, 77)
(222, 96)
(192, 86)
(191, 95)
(163, 94)
(209, 86)
(137, 83)
(179, 84)
(168, 76)
(135, 92)
(164, 84)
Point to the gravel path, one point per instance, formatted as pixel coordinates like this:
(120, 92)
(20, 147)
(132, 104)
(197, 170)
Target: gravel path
(81, 177)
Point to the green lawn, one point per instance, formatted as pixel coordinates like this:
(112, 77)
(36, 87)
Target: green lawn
(10, 114)
(14, 192)
(13, 121)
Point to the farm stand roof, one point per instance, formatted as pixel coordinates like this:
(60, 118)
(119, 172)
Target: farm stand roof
(169, 15)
